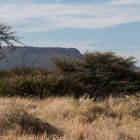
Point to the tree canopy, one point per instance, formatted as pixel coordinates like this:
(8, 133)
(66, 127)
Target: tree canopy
(101, 74)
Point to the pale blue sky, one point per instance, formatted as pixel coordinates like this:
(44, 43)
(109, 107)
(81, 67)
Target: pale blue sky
(83, 24)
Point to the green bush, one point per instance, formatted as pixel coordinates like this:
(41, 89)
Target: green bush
(5, 87)
(29, 86)
(40, 85)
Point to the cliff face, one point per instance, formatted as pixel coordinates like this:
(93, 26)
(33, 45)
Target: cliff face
(36, 56)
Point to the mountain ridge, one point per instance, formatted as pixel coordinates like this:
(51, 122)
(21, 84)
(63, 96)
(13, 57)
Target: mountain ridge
(36, 56)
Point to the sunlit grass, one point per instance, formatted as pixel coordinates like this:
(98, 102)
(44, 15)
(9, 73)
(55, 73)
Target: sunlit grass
(82, 119)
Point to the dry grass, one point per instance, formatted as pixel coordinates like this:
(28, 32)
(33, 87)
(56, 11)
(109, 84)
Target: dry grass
(83, 119)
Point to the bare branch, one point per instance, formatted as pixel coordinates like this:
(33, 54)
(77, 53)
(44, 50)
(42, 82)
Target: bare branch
(8, 39)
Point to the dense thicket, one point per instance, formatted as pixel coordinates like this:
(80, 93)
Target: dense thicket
(96, 74)
(101, 74)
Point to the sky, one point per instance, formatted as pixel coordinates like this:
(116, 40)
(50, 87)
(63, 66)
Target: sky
(88, 25)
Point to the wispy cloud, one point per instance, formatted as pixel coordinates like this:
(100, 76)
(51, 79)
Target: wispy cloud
(42, 17)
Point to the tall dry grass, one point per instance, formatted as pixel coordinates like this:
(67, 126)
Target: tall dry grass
(69, 119)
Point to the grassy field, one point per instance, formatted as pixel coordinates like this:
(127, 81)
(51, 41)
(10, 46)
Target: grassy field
(66, 118)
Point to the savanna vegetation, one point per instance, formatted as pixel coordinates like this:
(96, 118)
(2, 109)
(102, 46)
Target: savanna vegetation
(93, 97)
(96, 75)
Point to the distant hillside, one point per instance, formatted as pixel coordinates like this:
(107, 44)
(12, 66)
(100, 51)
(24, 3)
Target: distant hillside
(36, 56)
(137, 69)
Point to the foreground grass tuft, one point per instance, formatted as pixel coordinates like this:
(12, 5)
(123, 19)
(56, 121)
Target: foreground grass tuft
(24, 123)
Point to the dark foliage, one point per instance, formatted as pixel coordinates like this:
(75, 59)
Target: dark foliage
(97, 75)
(101, 74)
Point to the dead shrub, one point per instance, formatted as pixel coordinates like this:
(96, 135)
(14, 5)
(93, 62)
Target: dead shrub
(25, 123)
(94, 113)
(136, 112)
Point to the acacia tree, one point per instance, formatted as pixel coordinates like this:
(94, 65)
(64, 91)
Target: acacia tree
(8, 39)
(107, 72)
(100, 74)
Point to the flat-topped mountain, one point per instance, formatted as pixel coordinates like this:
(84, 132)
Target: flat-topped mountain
(36, 56)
